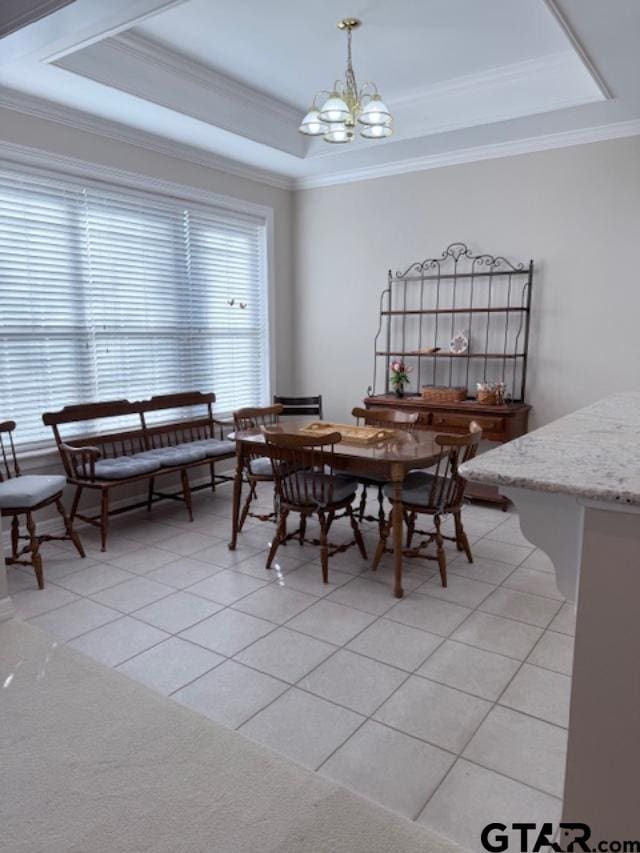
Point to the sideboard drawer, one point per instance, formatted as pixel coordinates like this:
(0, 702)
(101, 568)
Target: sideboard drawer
(462, 422)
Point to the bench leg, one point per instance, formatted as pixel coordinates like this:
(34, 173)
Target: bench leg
(36, 559)
(15, 537)
(186, 492)
(76, 503)
(212, 468)
(104, 518)
(150, 493)
(68, 526)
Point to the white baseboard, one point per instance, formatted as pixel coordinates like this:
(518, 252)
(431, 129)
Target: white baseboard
(7, 609)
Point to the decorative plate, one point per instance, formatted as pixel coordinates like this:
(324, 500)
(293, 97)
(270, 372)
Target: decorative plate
(459, 344)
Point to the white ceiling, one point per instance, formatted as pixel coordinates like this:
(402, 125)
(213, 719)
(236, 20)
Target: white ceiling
(224, 81)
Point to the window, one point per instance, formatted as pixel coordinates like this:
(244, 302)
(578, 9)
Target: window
(111, 294)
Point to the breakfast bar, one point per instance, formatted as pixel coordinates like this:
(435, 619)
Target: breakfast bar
(576, 485)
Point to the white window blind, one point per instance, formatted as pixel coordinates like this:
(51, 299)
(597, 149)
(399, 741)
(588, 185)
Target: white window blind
(110, 294)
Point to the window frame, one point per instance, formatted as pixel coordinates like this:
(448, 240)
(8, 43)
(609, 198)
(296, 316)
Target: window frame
(82, 173)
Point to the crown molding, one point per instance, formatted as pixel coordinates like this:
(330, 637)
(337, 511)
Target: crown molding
(28, 14)
(40, 108)
(564, 139)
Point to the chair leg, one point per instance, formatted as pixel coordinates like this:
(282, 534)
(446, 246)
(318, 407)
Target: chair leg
(36, 559)
(462, 542)
(303, 528)
(363, 503)
(381, 512)
(357, 535)
(281, 532)
(76, 503)
(186, 492)
(15, 537)
(442, 557)
(411, 527)
(382, 543)
(245, 509)
(152, 481)
(104, 518)
(68, 526)
(212, 468)
(324, 547)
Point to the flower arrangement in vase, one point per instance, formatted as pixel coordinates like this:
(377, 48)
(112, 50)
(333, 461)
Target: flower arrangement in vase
(399, 376)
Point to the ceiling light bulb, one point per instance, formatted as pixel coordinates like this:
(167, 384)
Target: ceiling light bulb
(334, 109)
(311, 124)
(377, 131)
(375, 112)
(339, 132)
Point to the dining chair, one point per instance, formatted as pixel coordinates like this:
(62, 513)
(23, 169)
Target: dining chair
(437, 494)
(257, 468)
(380, 418)
(300, 405)
(24, 494)
(307, 484)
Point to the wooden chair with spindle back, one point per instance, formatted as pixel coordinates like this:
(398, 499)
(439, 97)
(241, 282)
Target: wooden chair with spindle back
(24, 494)
(389, 418)
(437, 493)
(300, 405)
(306, 483)
(257, 468)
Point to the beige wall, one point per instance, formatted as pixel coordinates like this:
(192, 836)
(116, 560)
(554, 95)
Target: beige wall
(575, 211)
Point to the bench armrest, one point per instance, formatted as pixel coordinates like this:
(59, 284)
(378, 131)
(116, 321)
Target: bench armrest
(80, 461)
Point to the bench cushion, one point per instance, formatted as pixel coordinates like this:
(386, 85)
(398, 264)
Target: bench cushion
(214, 446)
(170, 457)
(122, 467)
(29, 490)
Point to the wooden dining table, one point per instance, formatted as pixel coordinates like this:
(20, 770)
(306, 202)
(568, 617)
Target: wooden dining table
(389, 459)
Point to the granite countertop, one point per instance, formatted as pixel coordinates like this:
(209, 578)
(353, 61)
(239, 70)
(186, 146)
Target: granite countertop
(593, 453)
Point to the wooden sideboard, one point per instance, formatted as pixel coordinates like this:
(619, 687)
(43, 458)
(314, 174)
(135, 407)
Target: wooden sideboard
(499, 424)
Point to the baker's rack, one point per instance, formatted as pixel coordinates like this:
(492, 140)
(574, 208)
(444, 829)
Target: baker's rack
(484, 297)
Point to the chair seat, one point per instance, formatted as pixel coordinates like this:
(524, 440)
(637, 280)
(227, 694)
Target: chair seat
(416, 488)
(261, 467)
(122, 467)
(30, 490)
(373, 481)
(343, 487)
(170, 457)
(213, 446)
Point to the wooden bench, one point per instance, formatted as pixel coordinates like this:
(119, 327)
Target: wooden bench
(142, 448)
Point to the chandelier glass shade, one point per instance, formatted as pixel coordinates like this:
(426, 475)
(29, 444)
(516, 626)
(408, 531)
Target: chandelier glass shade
(336, 115)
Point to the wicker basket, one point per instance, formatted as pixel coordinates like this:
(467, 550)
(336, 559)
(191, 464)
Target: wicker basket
(443, 394)
(487, 398)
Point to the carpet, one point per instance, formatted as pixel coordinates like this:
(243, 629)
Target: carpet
(92, 762)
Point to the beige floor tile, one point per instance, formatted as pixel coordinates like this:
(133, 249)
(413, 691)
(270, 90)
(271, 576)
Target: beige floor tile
(554, 651)
(511, 534)
(565, 620)
(487, 571)
(495, 634)
(539, 561)
(414, 574)
(365, 595)
(308, 578)
(389, 767)
(476, 671)
(63, 563)
(534, 582)
(540, 693)
(395, 644)
(331, 622)
(186, 544)
(32, 601)
(276, 603)
(220, 555)
(471, 796)
(170, 665)
(132, 594)
(303, 727)
(144, 560)
(521, 606)
(281, 566)
(231, 693)
(226, 586)
(440, 715)
(177, 612)
(526, 749)
(228, 631)
(94, 579)
(74, 619)
(116, 642)
(428, 614)
(459, 590)
(356, 682)
(185, 571)
(489, 549)
(152, 531)
(286, 654)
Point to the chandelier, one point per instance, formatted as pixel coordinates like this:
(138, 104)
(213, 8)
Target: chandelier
(347, 106)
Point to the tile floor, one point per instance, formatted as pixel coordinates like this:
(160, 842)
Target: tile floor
(449, 706)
